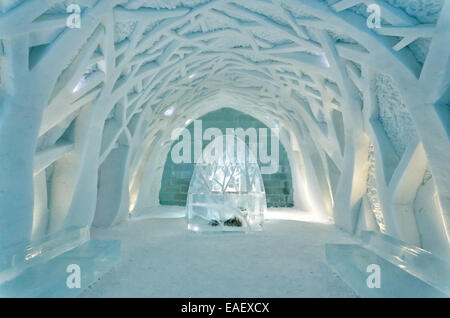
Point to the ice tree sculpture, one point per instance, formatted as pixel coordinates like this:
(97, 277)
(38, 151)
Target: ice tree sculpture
(226, 192)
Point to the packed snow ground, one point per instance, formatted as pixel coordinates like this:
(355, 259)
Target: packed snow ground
(159, 258)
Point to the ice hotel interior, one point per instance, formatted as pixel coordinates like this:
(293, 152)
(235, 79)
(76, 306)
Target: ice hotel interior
(225, 148)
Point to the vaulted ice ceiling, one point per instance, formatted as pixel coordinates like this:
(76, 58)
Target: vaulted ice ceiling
(86, 114)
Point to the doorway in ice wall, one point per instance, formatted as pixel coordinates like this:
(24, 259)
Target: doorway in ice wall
(177, 176)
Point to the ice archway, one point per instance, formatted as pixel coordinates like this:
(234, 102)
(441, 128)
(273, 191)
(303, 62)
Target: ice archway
(363, 112)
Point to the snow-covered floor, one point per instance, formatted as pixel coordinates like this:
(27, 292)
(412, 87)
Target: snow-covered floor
(159, 258)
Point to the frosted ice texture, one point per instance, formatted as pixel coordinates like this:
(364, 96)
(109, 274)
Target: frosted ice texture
(226, 192)
(393, 114)
(372, 192)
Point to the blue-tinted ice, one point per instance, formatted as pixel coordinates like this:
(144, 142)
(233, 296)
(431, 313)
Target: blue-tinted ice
(39, 268)
(405, 270)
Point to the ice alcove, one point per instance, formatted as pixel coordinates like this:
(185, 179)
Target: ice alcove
(226, 192)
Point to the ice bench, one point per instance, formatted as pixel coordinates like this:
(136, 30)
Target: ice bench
(40, 268)
(406, 271)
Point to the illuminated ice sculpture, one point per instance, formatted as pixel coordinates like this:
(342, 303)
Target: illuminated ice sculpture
(226, 192)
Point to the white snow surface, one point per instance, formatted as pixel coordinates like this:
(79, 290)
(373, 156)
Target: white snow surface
(161, 259)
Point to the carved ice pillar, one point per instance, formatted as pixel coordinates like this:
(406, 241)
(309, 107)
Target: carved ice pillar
(21, 114)
(353, 182)
(113, 194)
(428, 102)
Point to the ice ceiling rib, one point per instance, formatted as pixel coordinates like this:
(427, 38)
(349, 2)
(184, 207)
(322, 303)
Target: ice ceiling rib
(93, 100)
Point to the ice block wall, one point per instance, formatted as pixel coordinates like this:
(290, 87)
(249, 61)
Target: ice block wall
(177, 176)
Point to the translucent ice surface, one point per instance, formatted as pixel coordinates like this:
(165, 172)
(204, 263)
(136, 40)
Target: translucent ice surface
(17, 258)
(226, 192)
(50, 279)
(414, 260)
(353, 263)
(404, 270)
(39, 268)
